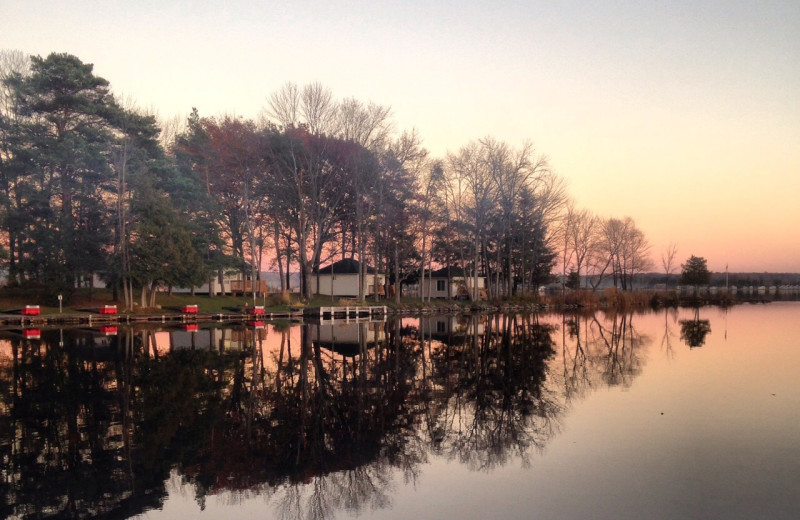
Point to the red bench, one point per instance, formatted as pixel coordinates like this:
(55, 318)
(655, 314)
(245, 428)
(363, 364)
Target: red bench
(258, 310)
(108, 309)
(31, 310)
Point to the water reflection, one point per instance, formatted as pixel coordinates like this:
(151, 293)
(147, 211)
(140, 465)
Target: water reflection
(670, 314)
(316, 419)
(488, 388)
(694, 331)
(600, 350)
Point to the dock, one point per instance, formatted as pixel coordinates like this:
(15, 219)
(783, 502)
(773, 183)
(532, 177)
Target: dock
(347, 314)
(176, 316)
(92, 319)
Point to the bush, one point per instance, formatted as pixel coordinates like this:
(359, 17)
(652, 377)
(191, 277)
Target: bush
(283, 298)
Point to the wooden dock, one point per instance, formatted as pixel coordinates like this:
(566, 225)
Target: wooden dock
(91, 319)
(347, 314)
(97, 319)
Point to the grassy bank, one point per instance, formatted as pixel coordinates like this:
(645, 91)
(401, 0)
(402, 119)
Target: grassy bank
(608, 298)
(613, 298)
(83, 299)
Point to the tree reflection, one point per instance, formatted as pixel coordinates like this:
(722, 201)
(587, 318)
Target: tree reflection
(599, 350)
(101, 426)
(694, 331)
(63, 443)
(497, 404)
(576, 358)
(620, 348)
(666, 339)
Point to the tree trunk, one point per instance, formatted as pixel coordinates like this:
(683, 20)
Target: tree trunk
(153, 288)
(422, 264)
(288, 260)
(305, 268)
(475, 270)
(375, 278)
(279, 257)
(396, 275)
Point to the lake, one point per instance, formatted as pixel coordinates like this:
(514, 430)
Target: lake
(671, 414)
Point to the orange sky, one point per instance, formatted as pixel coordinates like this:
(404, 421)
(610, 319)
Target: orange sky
(684, 118)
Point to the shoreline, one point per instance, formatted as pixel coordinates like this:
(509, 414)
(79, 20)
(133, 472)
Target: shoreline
(368, 309)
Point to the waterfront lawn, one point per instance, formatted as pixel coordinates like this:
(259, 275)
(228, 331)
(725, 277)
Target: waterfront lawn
(83, 299)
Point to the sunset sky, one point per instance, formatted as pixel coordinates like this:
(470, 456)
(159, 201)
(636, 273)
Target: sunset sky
(684, 116)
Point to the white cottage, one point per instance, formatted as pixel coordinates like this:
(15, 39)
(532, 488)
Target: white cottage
(456, 285)
(341, 279)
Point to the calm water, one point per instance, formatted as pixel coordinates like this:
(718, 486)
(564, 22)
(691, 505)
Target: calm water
(675, 414)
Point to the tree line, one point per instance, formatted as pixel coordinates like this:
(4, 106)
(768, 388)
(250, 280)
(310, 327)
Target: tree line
(89, 184)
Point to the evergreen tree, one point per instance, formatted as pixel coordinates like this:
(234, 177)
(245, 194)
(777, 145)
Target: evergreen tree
(162, 251)
(695, 272)
(61, 177)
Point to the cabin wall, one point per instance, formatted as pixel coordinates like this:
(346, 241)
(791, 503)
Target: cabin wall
(344, 284)
(431, 287)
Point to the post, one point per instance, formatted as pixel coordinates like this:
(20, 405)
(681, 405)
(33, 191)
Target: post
(59, 303)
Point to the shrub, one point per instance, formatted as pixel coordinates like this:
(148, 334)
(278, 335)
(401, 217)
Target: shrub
(283, 298)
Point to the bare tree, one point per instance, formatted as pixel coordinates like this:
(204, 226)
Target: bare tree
(368, 125)
(310, 180)
(598, 260)
(329, 138)
(318, 109)
(561, 237)
(513, 171)
(431, 181)
(171, 128)
(469, 165)
(407, 186)
(626, 249)
(668, 259)
(452, 241)
(550, 191)
(636, 254)
(284, 105)
(583, 238)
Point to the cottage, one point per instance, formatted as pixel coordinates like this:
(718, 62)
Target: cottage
(456, 285)
(341, 279)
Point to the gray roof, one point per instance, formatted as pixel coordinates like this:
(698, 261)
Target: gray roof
(442, 273)
(346, 266)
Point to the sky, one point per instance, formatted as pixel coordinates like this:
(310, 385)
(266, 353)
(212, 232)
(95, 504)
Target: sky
(682, 115)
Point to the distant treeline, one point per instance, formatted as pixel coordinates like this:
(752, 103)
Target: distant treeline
(720, 279)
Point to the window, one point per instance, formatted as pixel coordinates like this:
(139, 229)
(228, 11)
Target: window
(440, 285)
(441, 326)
